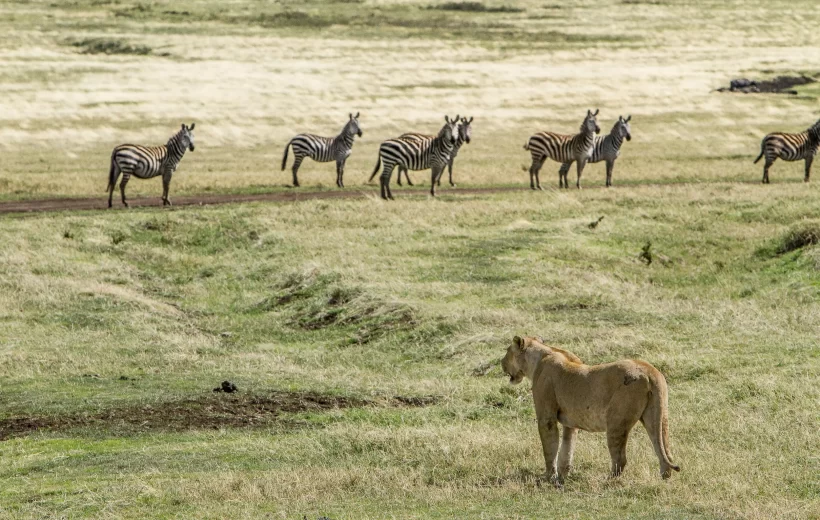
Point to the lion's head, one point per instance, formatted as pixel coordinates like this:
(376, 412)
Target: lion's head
(513, 363)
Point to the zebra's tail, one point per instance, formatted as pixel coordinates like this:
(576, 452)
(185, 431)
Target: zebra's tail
(376, 169)
(112, 173)
(285, 158)
(527, 146)
(762, 152)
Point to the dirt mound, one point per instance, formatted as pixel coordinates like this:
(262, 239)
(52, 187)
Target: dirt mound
(778, 85)
(209, 412)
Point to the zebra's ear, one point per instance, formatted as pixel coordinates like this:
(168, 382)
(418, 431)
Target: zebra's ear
(596, 111)
(183, 126)
(357, 115)
(628, 118)
(457, 118)
(192, 126)
(447, 118)
(470, 121)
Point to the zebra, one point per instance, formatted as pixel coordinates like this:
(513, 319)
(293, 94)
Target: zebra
(146, 162)
(465, 132)
(790, 147)
(429, 152)
(563, 148)
(605, 149)
(324, 149)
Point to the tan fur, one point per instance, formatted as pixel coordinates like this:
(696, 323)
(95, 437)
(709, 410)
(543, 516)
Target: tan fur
(607, 398)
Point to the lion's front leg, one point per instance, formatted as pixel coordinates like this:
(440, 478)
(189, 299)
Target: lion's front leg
(548, 430)
(567, 450)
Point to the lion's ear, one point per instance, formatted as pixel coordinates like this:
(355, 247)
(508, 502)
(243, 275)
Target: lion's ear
(519, 341)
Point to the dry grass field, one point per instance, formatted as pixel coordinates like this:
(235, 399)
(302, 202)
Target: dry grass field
(364, 336)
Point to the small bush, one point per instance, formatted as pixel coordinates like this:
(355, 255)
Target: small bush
(799, 237)
(117, 237)
(475, 7)
(110, 46)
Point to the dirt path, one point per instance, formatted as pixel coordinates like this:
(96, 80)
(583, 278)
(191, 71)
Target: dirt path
(35, 206)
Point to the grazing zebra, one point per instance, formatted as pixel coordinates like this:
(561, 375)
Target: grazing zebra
(145, 162)
(562, 148)
(465, 132)
(790, 147)
(324, 149)
(605, 149)
(429, 152)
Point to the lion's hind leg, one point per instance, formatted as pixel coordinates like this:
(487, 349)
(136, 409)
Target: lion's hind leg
(619, 423)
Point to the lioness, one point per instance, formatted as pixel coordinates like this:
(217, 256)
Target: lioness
(611, 397)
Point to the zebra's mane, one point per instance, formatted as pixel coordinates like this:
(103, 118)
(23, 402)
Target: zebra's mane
(176, 138)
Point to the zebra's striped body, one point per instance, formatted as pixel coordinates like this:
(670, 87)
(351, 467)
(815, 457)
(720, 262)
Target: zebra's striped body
(790, 147)
(145, 162)
(606, 148)
(562, 148)
(465, 132)
(417, 154)
(324, 149)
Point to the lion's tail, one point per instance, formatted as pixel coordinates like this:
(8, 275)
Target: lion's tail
(656, 419)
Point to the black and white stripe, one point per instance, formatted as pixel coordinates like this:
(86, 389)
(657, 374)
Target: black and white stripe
(465, 132)
(145, 162)
(562, 148)
(324, 149)
(790, 147)
(606, 148)
(417, 154)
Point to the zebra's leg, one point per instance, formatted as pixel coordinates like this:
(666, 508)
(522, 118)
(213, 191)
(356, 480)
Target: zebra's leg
(123, 182)
(166, 186)
(398, 179)
(339, 165)
(562, 174)
(297, 161)
(113, 186)
(766, 167)
(580, 168)
(809, 160)
(609, 166)
(407, 176)
(437, 170)
(385, 181)
(538, 173)
(450, 171)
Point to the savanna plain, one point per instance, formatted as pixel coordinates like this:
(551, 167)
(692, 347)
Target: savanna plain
(365, 337)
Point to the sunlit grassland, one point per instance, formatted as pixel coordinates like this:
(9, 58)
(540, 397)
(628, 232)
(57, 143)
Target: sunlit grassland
(140, 310)
(253, 76)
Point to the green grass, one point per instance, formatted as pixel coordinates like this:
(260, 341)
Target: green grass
(365, 337)
(366, 300)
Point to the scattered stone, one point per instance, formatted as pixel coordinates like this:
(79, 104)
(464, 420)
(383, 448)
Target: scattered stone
(226, 334)
(226, 387)
(94, 376)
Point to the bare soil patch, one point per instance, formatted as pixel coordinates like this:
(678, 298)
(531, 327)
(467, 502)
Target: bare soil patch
(208, 412)
(80, 204)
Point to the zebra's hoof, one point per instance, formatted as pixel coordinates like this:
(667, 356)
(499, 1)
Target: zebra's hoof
(452, 185)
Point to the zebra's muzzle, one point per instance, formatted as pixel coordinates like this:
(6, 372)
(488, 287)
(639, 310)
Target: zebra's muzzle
(191, 147)
(360, 133)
